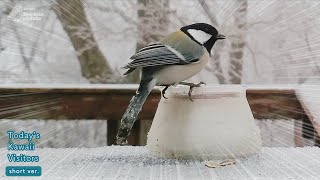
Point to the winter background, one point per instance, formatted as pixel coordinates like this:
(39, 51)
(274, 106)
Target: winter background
(269, 42)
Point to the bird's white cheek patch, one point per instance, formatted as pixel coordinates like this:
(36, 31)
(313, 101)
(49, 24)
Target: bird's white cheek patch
(199, 35)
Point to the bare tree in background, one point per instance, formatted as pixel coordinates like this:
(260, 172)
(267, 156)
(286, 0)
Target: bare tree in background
(23, 47)
(216, 58)
(238, 42)
(153, 21)
(5, 12)
(94, 65)
(153, 24)
(27, 59)
(2, 48)
(314, 71)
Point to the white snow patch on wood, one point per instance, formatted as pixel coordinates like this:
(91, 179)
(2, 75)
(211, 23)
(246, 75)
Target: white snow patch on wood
(310, 101)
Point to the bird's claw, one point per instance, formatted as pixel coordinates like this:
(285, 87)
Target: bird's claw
(164, 96)
(200, 83)
(192, 85)
(163, 92)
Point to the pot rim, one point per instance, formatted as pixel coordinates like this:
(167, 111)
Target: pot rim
(206, 91)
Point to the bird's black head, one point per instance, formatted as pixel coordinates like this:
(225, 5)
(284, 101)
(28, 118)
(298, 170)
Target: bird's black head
(202, 33)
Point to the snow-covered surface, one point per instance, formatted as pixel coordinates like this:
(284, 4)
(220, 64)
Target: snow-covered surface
(310, 101)
(277, 133)
(114, 162)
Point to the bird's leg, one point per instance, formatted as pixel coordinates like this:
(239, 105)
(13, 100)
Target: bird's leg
(191, 85)
(164, 91)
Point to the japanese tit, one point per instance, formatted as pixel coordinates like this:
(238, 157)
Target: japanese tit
(177, 57)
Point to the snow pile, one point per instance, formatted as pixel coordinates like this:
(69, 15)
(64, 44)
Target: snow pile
(114, 162)
(309, 98)
(218, 124)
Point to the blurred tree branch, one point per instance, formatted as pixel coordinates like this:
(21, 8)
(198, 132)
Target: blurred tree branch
(22, 46)
(238, 42)
(26, 60)
(311, 52)
(152, 25)
(215, 62)
(205, 6)
(153, 22)
(93, 63)
(316, 69)
(113, 9)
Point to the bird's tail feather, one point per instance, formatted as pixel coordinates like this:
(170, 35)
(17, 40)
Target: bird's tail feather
(135, 106)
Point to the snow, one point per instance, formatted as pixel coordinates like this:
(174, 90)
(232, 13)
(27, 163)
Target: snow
(310, 101)
(128, 162)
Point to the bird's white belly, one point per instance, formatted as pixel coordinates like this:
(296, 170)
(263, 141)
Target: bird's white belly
(173, 74)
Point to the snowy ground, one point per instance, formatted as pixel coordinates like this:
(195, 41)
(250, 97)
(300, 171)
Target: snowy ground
(114, 162)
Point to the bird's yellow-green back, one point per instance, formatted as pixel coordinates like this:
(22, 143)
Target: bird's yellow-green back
(183, 44)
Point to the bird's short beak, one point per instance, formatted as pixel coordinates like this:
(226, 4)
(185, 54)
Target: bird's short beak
(220, 36)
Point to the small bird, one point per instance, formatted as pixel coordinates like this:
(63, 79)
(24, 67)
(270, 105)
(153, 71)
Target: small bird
(177, 57)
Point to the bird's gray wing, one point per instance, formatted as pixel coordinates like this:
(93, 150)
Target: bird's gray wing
(157, 55)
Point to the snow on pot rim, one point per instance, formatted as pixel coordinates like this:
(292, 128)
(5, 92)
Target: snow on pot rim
(206, 91)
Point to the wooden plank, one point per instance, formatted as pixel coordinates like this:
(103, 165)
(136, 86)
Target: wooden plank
(298, 137)
(71, 105)
(109, 102)
(274, 104)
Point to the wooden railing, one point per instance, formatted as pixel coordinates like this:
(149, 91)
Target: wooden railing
(110, 101)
